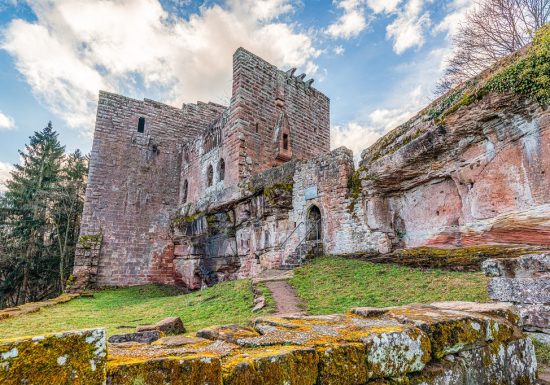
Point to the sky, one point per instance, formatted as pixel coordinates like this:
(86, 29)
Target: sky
(377, 60)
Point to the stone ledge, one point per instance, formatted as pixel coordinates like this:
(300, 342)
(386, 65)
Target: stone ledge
(33, 307)
(449, 343)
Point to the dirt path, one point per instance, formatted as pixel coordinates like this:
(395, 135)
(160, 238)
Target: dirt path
(285, 297)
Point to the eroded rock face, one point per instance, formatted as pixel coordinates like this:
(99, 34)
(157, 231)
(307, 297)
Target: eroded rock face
(479, 178)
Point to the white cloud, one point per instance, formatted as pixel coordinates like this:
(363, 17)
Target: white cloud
(408, 29)
(5, 169)
(354, 136)
(386, 6)
(339, 50)
(457, 11)
(76, 47)
(351, 23)
(6, 122)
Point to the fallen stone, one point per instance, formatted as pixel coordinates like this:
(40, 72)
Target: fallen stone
(169, 326)
(520, 290)
(443, 372)
(343, 364)
(180, 340)
(229, 333)
(543, 338)
(535, 317)
(145, 337)
(259, 304)
(369, 311)
(526, 266)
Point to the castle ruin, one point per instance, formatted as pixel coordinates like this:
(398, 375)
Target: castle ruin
(206, 193)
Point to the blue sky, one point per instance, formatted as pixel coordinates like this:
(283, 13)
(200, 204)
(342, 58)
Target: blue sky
(377, 60)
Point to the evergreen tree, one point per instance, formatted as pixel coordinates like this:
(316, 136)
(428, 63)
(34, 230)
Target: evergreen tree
(39, 220)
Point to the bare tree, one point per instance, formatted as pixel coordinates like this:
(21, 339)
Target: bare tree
(494, 29)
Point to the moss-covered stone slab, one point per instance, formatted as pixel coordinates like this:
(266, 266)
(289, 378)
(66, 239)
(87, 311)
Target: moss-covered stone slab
(512, 363)
(505, 310)
(272, 366)
(449, 331)
(201, 369)
(451, 371)
(342, 364)
(229, 333)
(33, 307)
(393, 354)
(76, 358)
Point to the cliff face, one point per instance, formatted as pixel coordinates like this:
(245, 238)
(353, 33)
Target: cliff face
(473, 167)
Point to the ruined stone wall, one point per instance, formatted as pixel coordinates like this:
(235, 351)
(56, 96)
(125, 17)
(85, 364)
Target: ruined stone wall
(133, 188)
(479, 177)
(447, 343)
(266, 104)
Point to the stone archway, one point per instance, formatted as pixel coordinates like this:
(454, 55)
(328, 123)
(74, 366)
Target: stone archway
(314, 224)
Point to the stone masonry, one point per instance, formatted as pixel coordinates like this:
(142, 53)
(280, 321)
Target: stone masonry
(195, 195)
(446, 343)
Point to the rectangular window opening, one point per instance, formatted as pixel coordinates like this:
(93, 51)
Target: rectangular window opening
(141, 125)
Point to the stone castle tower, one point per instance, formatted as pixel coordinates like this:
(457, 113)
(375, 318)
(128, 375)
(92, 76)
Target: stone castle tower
(149, 159)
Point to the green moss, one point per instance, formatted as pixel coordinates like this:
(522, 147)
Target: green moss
(53, 359)
(87, 241)
(543, 353)
(180, 221)
(271, 192)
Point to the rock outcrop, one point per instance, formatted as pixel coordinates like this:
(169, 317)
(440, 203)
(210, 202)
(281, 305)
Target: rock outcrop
(443, 343)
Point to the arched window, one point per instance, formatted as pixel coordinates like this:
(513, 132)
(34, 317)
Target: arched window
(210, 175)
(185, 188)
(221, 169)
(141, 125)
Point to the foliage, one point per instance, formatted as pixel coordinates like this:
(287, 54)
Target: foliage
(492, 30)
(333, 284)
(121, 310)
(40, 220)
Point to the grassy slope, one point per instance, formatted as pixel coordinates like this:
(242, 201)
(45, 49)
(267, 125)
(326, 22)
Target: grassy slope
(228, 302)
(332, 285)
(327, 285)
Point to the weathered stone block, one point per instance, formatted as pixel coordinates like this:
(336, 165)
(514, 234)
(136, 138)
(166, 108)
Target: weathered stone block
(505, 310)
(449, 371)
(272, 366)
(342, 364)
(520, 290)
(393, 354)
(75, 357)
(526, 266)
(190, 370)
(449, 331)
(229, 333)
(535, 317)
(145, 337)
(168, 326)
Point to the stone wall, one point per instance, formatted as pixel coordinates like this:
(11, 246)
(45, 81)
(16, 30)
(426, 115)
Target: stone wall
(133, 188)
(443, 343)
(524, 281)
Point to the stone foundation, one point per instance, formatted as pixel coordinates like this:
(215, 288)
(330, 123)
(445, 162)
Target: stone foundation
(443, 343)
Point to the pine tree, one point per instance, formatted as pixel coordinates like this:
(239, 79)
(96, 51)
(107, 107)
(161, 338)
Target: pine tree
(26, 235)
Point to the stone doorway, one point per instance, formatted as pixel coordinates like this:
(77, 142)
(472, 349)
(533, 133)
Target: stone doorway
(313, 224)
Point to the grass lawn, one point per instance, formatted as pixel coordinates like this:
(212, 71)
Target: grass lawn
(334, 285)
(120, 310)
(327, 285)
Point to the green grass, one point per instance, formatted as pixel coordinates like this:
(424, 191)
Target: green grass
(543, 353)
(327, 285)
(333, 285)
(120, 310)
